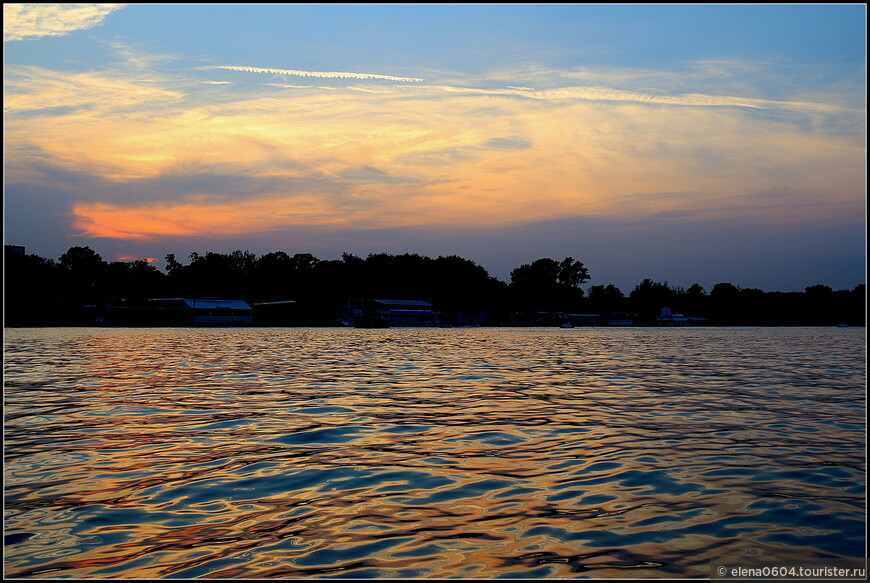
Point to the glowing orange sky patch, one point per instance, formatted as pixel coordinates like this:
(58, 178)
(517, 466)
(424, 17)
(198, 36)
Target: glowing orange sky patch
(127, 258)
(406, 156)
(189, 219)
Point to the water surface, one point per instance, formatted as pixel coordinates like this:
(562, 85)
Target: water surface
(431, 453)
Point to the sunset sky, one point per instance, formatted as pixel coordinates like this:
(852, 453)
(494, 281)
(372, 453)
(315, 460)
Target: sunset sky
(681, 143)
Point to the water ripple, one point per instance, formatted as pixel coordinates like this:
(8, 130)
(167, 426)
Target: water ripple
(460, 453)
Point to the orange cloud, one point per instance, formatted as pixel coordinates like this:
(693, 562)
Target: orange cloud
(420, 155)
(188, 219)
(132, 258)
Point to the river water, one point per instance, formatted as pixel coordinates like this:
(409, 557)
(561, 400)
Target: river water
(432, 453)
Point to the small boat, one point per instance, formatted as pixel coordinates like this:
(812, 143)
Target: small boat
(566, 325)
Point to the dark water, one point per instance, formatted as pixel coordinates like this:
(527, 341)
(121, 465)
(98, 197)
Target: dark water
(431, 453)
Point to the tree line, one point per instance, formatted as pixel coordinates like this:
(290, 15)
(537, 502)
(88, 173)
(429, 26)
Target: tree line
(80, 284)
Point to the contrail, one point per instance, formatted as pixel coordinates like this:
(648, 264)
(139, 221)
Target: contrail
(332, 75)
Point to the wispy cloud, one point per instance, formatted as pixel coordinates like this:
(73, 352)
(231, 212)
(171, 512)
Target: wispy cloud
(29, 21)
(35, 88)
(321, 74)
(272, 157)
(604, 93)
(136, 59)
(687, 99)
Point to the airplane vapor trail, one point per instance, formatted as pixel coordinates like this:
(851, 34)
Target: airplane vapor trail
(326, 74)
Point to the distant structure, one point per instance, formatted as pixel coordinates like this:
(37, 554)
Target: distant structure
(668, 318)
(619, 319)
(474, 318)
(276, 313)
(582, 319)
(217, 311)
(196, 312)
(370, 313)
(13, 251)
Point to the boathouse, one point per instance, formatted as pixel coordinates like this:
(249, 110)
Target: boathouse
(398, 313)
(202, 311)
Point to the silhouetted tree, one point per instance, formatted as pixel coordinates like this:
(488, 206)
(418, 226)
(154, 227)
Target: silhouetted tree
(549, 285)
(724, 290)
(823, 306)
(133, 281)
(694, 301)
(724, 304)
(751, 306)
(649, 297)
(819, 291)
(696, 290)
(356, 275)
(82, 272)
(854, 306)
(214, 274)
(572, 274)
(44, 292)
(458, 283)
(606, 299)
(172, 264)
(30, 281)
(271, 277)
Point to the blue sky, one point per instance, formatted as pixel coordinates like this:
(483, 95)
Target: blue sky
(682, 143)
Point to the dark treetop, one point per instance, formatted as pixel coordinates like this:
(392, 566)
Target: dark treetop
(81, 288)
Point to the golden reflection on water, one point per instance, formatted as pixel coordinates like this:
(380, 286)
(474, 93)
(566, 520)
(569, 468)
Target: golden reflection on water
(429, 453)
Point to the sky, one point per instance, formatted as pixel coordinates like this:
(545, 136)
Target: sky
(676, 142)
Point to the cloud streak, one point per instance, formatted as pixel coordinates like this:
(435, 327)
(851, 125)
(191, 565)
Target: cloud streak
(31, 21)
(144, 223)
(603, 93)
(30, 89)
(320, 74)
(375, 156)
